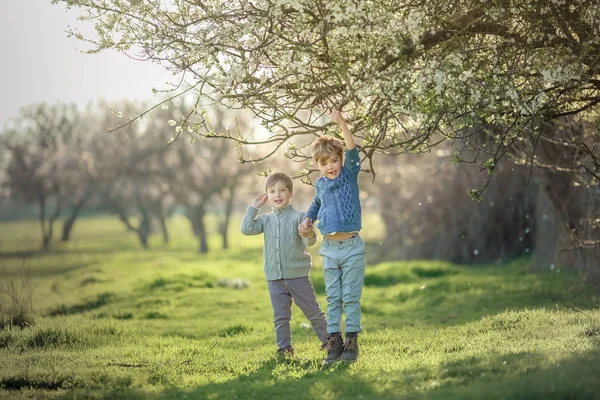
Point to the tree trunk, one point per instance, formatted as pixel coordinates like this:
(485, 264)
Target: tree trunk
(223, 230)
(67, 227)
(161, 213)
(47, 226)
(163, 228)
(144, 228)
(569, 209)
(143, 238)
(70, 221)
(224, 225)
(196, 217)
(203, 248)
(45, 239)
(200, 232)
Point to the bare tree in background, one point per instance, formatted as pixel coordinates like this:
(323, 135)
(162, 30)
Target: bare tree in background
(234, 172)
(133, 176)
(195, 180)
(197, 176)
(4, 182)
(79, 172)
(37, 145)
(203, 174)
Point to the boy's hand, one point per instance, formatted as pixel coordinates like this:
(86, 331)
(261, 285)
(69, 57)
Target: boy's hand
(336, 116)
(305, 229)
(260, 200)
(307, 222)
(307, 233)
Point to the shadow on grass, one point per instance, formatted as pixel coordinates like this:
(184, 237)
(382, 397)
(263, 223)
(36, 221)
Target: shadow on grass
(100, 300)
(253, 254)
(270, 380)
(22, 254)
(445, 301)
(518, 376)
(62, 251)
(440, 293)
(46, 272)
(67, 251)
(515, 376)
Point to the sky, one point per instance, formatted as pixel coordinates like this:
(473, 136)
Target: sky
(39, 63)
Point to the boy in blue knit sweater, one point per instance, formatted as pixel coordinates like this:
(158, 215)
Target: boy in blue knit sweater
(336, 206)
(287, 264)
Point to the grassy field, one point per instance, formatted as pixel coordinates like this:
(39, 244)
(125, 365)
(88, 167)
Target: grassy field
(114, 321)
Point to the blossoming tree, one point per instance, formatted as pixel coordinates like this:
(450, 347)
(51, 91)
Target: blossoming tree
(497, 78)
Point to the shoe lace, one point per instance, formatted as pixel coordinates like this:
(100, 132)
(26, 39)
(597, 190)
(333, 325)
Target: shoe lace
(332, 341)
(351, 344)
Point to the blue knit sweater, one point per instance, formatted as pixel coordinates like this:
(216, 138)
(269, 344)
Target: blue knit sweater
(336, 204)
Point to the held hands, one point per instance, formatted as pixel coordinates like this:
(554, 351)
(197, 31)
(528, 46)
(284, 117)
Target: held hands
(305, 229)
(259, 201)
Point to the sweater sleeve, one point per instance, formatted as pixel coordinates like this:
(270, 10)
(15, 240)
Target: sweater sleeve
(314, 208)
(252, 225)
(310, 242)
(352, 161)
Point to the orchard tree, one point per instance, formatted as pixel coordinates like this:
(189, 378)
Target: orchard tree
(497, 78)
(131, 171)
(79, 172)
(233, 174)
(202, 175)
(37, 145)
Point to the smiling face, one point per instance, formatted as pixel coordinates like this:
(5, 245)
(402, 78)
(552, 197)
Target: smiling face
(279, 195)
(330, 167)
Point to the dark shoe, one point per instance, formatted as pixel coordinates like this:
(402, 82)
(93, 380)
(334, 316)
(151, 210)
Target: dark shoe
(350, 347)
(285, 353)
(334, 347)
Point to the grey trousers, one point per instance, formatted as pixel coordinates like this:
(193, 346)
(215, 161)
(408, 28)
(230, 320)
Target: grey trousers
(301, 291)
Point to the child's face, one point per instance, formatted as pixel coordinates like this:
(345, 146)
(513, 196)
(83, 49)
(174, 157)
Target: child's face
(331, 167)
(279, 195)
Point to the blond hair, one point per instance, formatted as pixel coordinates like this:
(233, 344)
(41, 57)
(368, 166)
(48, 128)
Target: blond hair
(275, 177)
(325, 147)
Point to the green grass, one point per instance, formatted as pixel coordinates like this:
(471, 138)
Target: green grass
(113, 321)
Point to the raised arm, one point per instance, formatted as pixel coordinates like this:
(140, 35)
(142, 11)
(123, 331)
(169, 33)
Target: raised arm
(251, 225)
(336, 116)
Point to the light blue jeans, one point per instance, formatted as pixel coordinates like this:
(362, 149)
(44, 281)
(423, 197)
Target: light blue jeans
(344, 271)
